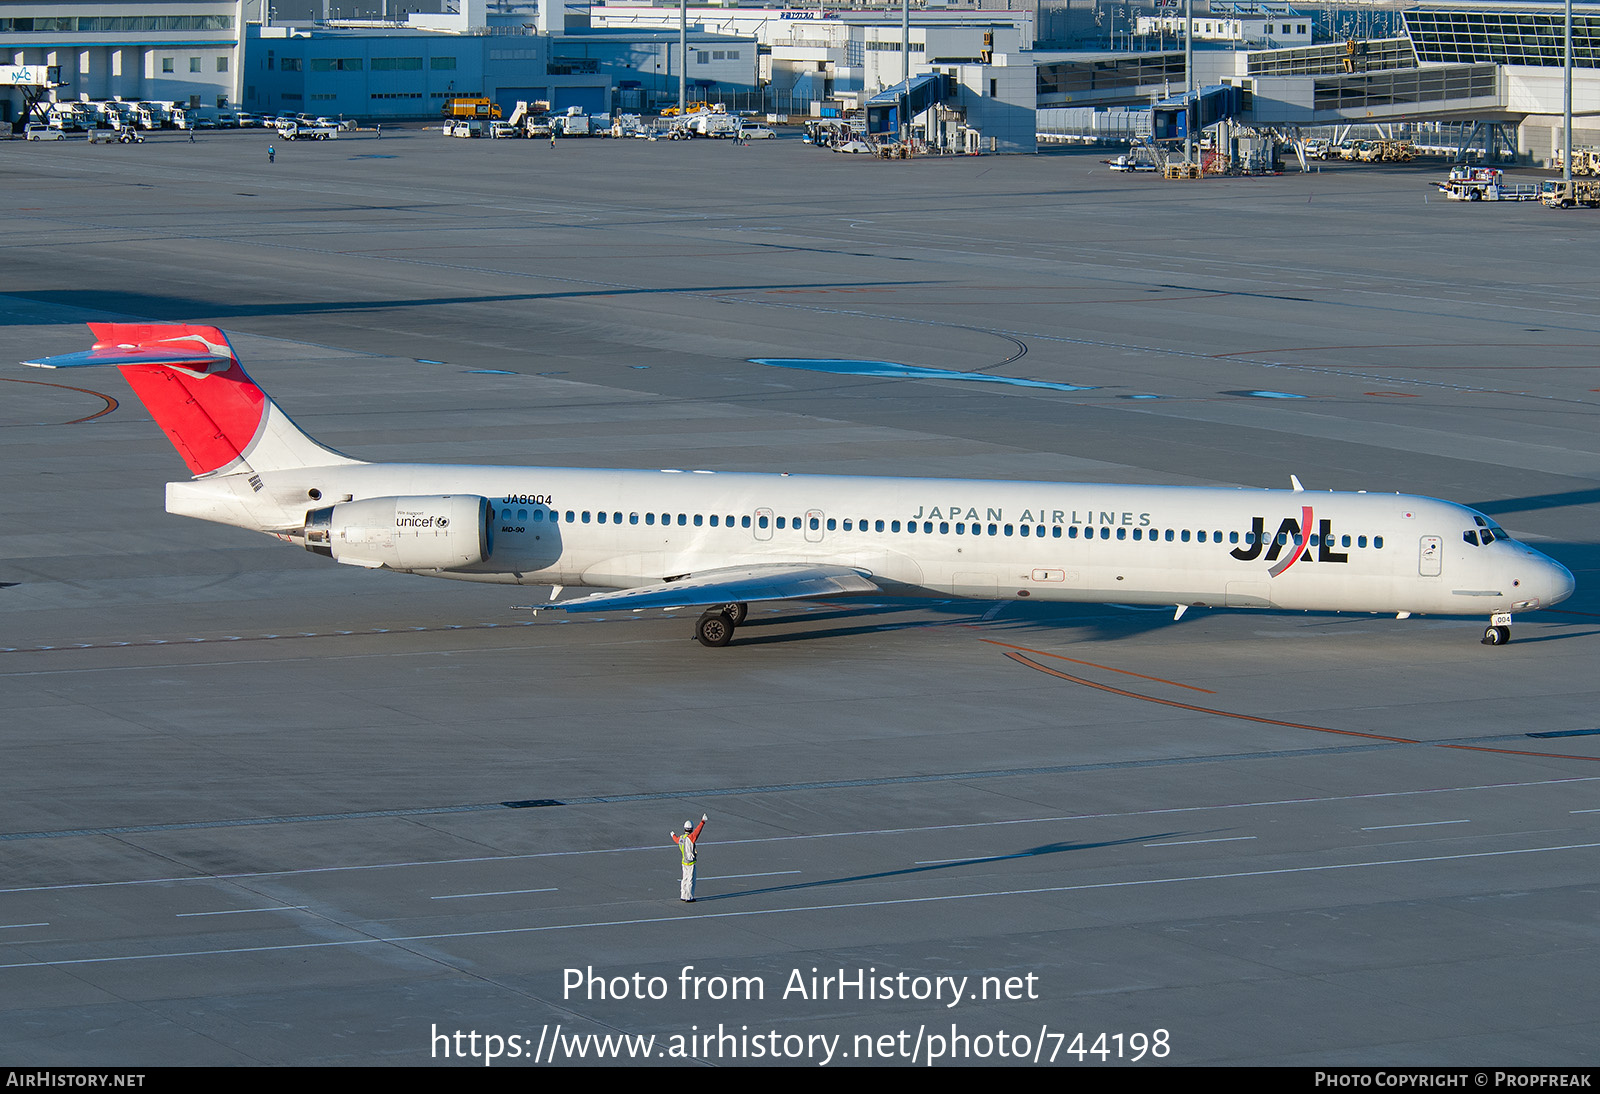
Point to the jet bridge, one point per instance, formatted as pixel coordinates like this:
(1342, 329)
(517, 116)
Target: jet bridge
(897, 105)
(1181, 116)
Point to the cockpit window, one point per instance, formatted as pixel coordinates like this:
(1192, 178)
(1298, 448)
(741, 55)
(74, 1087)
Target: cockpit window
(1488, 531)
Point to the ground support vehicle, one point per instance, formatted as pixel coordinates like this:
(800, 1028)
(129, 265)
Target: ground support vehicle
(307, 131)
(471, 108)
(1564, 194)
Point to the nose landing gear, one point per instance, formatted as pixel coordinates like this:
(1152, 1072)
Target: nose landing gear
(1498, 632)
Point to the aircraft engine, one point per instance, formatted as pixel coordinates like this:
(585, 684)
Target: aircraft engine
(437, 532)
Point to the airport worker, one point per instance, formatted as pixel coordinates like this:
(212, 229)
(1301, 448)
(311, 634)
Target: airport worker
(686, 848)
(272, 154)
(552, 136)
(380, 131)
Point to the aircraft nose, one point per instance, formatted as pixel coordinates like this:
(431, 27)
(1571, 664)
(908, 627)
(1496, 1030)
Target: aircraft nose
(1559, 580)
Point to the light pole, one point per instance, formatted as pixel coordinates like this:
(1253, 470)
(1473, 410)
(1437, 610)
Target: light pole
(905, 70)
(1188, 79)
(1566, 94)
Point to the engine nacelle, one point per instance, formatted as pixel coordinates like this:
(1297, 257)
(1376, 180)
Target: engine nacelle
(432, 532)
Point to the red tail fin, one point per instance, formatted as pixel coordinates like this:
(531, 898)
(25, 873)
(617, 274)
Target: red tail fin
(211, 413)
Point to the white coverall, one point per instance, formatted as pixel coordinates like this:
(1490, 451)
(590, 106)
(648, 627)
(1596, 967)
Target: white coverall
(686, 842)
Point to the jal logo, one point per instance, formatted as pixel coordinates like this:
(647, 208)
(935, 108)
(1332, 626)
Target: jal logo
(1290, 531)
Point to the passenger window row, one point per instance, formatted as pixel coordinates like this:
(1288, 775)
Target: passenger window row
(944, 528)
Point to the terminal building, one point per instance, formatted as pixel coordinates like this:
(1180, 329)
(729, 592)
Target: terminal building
(1495, 65)
(507, 53)
(185, 51)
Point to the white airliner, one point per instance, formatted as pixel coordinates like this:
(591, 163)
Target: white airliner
(718, 540)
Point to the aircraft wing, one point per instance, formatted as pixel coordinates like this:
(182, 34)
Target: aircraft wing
(734, 584)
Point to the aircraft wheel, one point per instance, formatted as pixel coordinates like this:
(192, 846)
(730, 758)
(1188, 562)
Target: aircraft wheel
(1496, 636)
(735, 613)
(713, 629)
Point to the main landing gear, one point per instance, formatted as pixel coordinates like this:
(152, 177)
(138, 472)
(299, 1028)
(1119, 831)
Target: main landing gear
(1498, 632)
(715, 627)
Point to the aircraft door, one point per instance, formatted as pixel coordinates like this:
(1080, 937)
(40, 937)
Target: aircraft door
(762, 526)
(1430, 556)
(814, 523)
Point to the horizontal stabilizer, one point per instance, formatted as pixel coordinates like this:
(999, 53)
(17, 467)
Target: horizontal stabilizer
(742, 584)
(195, 349)
(195, 361)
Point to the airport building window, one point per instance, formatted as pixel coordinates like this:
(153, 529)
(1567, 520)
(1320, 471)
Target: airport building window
(441, 64)
(222, 64)
(289, 64)
(397, 64)
(194, 64)
(166, 64)
(125, 24)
